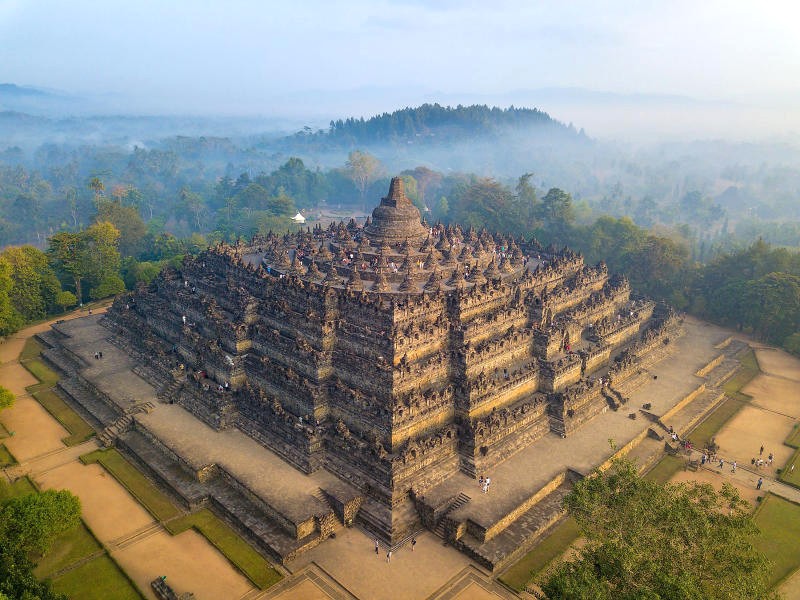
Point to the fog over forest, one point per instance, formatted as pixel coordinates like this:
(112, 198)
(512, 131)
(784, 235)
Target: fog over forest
(664, 136)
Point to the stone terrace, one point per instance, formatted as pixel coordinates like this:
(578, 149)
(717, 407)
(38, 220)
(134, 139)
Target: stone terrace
(194, 461)
(519, 480)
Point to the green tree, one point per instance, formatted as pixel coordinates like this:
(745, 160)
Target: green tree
(66, 299)
(31, 522)
(281, 205)
(557, 213)
(647, 540)
(127, 220)
(97, 186)
(10, 320)
(67, 254)
(6, 398)
(525, 205)
(362, 168)
(35, 285)
(90, 255)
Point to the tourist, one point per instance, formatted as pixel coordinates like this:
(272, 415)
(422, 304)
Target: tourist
(377, 547)
(770, 458)
(389, 556)
(761, 451)
(733, 470)
(721, 463)
(413, 543)
(760, 483)
(480, 482)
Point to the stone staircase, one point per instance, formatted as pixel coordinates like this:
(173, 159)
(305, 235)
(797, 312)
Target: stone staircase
(232, 506)
(519, 536)
(441, 525)
(110, 433)
(170, 391)
(122, 424)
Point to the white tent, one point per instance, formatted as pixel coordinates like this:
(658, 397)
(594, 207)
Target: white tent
(298, 218)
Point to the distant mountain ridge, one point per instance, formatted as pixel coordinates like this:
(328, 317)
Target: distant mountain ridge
(433, 124)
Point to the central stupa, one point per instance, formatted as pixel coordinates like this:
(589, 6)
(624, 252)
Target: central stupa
(396, 219)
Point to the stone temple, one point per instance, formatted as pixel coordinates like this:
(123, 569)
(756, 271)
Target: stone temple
(387, 364)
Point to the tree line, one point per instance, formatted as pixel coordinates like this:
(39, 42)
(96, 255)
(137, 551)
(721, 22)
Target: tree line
(753, 288)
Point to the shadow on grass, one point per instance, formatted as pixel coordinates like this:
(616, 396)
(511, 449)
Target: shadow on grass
(779, 522)
(42, 392)
(748, 368)
(230, 544)
(238, 552)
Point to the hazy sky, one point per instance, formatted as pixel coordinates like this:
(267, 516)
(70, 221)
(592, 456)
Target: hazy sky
(244, 56)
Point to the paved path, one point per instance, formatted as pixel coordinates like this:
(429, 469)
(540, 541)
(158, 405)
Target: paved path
(747, 476)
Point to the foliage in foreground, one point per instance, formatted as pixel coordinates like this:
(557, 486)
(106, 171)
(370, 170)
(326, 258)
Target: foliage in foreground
(647, 540)
(28, 526)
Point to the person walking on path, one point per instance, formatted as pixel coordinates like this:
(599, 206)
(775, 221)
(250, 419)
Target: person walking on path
(389, 556)
(377, 546)
(733, 470)
(721, 463)
(761, 452)
(413, 543)
(760, 483)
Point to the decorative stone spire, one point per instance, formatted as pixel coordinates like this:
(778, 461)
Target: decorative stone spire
(491, 271)
(355, 283)
(380, 285)
(313, 271)
(324, 254)
(434, 283)
(283, 261)
(297, 267)
(430, 261)
(457, 277)
(475, 275)
(505, 265)
(396, 219)
(408, 284)
(332, 277)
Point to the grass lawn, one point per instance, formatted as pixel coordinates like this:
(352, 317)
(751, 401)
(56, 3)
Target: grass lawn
(793, 439)
(20, 487)
(99, 579)
(42, 372)
(793, 477)
(779, 522)
(67, 549)
(748, 368)
(31, 349)
(148, 495)
(6, 458)
(80, 430)
(233, 547)
(665, 468)
(550, 548)
(708, 428)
